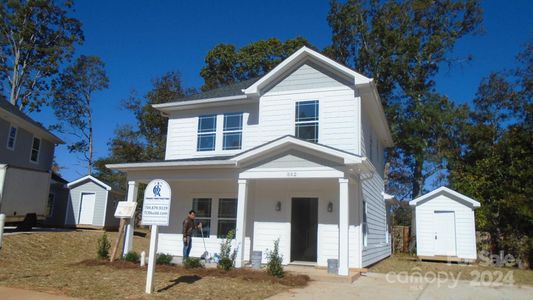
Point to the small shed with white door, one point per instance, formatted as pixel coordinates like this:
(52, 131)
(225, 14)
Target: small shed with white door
(445, 225)
(92, 203)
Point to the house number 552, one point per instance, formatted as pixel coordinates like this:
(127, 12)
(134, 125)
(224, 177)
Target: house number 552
(291, 174)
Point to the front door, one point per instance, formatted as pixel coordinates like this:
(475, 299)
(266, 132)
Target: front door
(445, 233)
(87, 209)
(304, 226)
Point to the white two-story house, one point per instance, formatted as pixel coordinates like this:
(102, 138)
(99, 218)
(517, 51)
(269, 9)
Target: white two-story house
(296, 155)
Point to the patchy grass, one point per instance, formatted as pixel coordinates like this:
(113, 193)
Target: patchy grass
(406, 263)
(65, 263)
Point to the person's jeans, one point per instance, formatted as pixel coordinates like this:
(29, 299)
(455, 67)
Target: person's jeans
(187, 248)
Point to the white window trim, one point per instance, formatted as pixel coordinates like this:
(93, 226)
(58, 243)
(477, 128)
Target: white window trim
(210, 218)
(14, 139)
(38, 151)
(213, 234)
(308, 122)
(232, 130)
(224, 218)
(199, 134)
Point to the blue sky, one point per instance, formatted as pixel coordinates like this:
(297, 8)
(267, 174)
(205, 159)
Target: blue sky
(141, 40)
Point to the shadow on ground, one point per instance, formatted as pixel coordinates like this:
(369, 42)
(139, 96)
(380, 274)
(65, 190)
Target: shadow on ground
(189, 279)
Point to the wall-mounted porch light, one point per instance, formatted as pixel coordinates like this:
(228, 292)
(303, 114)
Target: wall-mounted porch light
(330, 206)
(278, 206)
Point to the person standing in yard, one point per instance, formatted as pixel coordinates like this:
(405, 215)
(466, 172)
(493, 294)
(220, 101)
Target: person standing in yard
(188, 230)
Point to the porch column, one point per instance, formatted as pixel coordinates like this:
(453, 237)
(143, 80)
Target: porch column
(343, 227)
(240, 233)
(133, 188)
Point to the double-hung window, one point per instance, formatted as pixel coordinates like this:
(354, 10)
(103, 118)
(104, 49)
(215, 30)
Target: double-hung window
(11, 137)
(202, 207)
(207, 127)
(35, 148)
(306, 120)
(227, 216)
(232, 139)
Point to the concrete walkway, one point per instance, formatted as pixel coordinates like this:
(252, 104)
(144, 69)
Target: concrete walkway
(378, 286)
(17, 294)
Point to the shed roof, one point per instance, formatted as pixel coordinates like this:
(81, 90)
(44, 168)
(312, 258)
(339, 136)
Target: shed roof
(79, 181)
(444, 190)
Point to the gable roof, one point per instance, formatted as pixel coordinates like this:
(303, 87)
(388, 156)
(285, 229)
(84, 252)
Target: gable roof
(88, 178)
(446, 191)
(297, 58)
(27, 122)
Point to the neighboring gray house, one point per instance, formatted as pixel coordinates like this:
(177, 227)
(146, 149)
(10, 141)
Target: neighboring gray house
(57, 201)
(92, 203)
(26, 156)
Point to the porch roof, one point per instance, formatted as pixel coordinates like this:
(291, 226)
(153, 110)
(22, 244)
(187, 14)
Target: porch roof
(236, 161)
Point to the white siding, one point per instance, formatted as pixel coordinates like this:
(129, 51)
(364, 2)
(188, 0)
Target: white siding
(73, 209)
(273, 116)
(464, 226)
(170, 237)
(377, 247)
(307, 76)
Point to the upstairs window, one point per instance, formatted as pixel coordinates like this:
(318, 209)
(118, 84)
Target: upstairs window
(232, 139)
(207, 127)
(306, 120)
(11, 137)
(35, 149)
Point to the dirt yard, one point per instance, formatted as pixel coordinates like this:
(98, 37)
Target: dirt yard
(64, 263)
(409, 264)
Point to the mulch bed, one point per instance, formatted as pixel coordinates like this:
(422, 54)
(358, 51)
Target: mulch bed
(292, 280)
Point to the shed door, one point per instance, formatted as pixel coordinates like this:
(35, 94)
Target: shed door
(445, 233)
(87, 209)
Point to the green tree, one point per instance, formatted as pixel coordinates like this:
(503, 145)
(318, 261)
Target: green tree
(36, 37)
(145, 140)
(224, 64)
(402, 44)
(494, 164)
(72, 103)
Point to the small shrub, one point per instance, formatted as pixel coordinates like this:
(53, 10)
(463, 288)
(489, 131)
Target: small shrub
(274, 265)
(193, 263)
(132, 256)
(227, 256)
(163, 259)
(103, 247)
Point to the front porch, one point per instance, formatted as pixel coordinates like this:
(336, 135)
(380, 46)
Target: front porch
(308, 199)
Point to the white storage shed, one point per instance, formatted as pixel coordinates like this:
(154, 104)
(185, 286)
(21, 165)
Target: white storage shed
(445, 225)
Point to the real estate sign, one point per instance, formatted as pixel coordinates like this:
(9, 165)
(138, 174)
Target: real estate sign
(125, 209)
(156, 205)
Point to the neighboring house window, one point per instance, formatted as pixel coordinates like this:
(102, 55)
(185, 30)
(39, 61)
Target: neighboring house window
(50, 205)
(35, 149)
(202, 206)
(207, 127)
(232, 131)
(306, 120)
(365, 226)
(227, 216)
(12, 137)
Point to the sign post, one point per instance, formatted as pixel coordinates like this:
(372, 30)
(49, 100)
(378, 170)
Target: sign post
(156, 212)
(125, 210)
